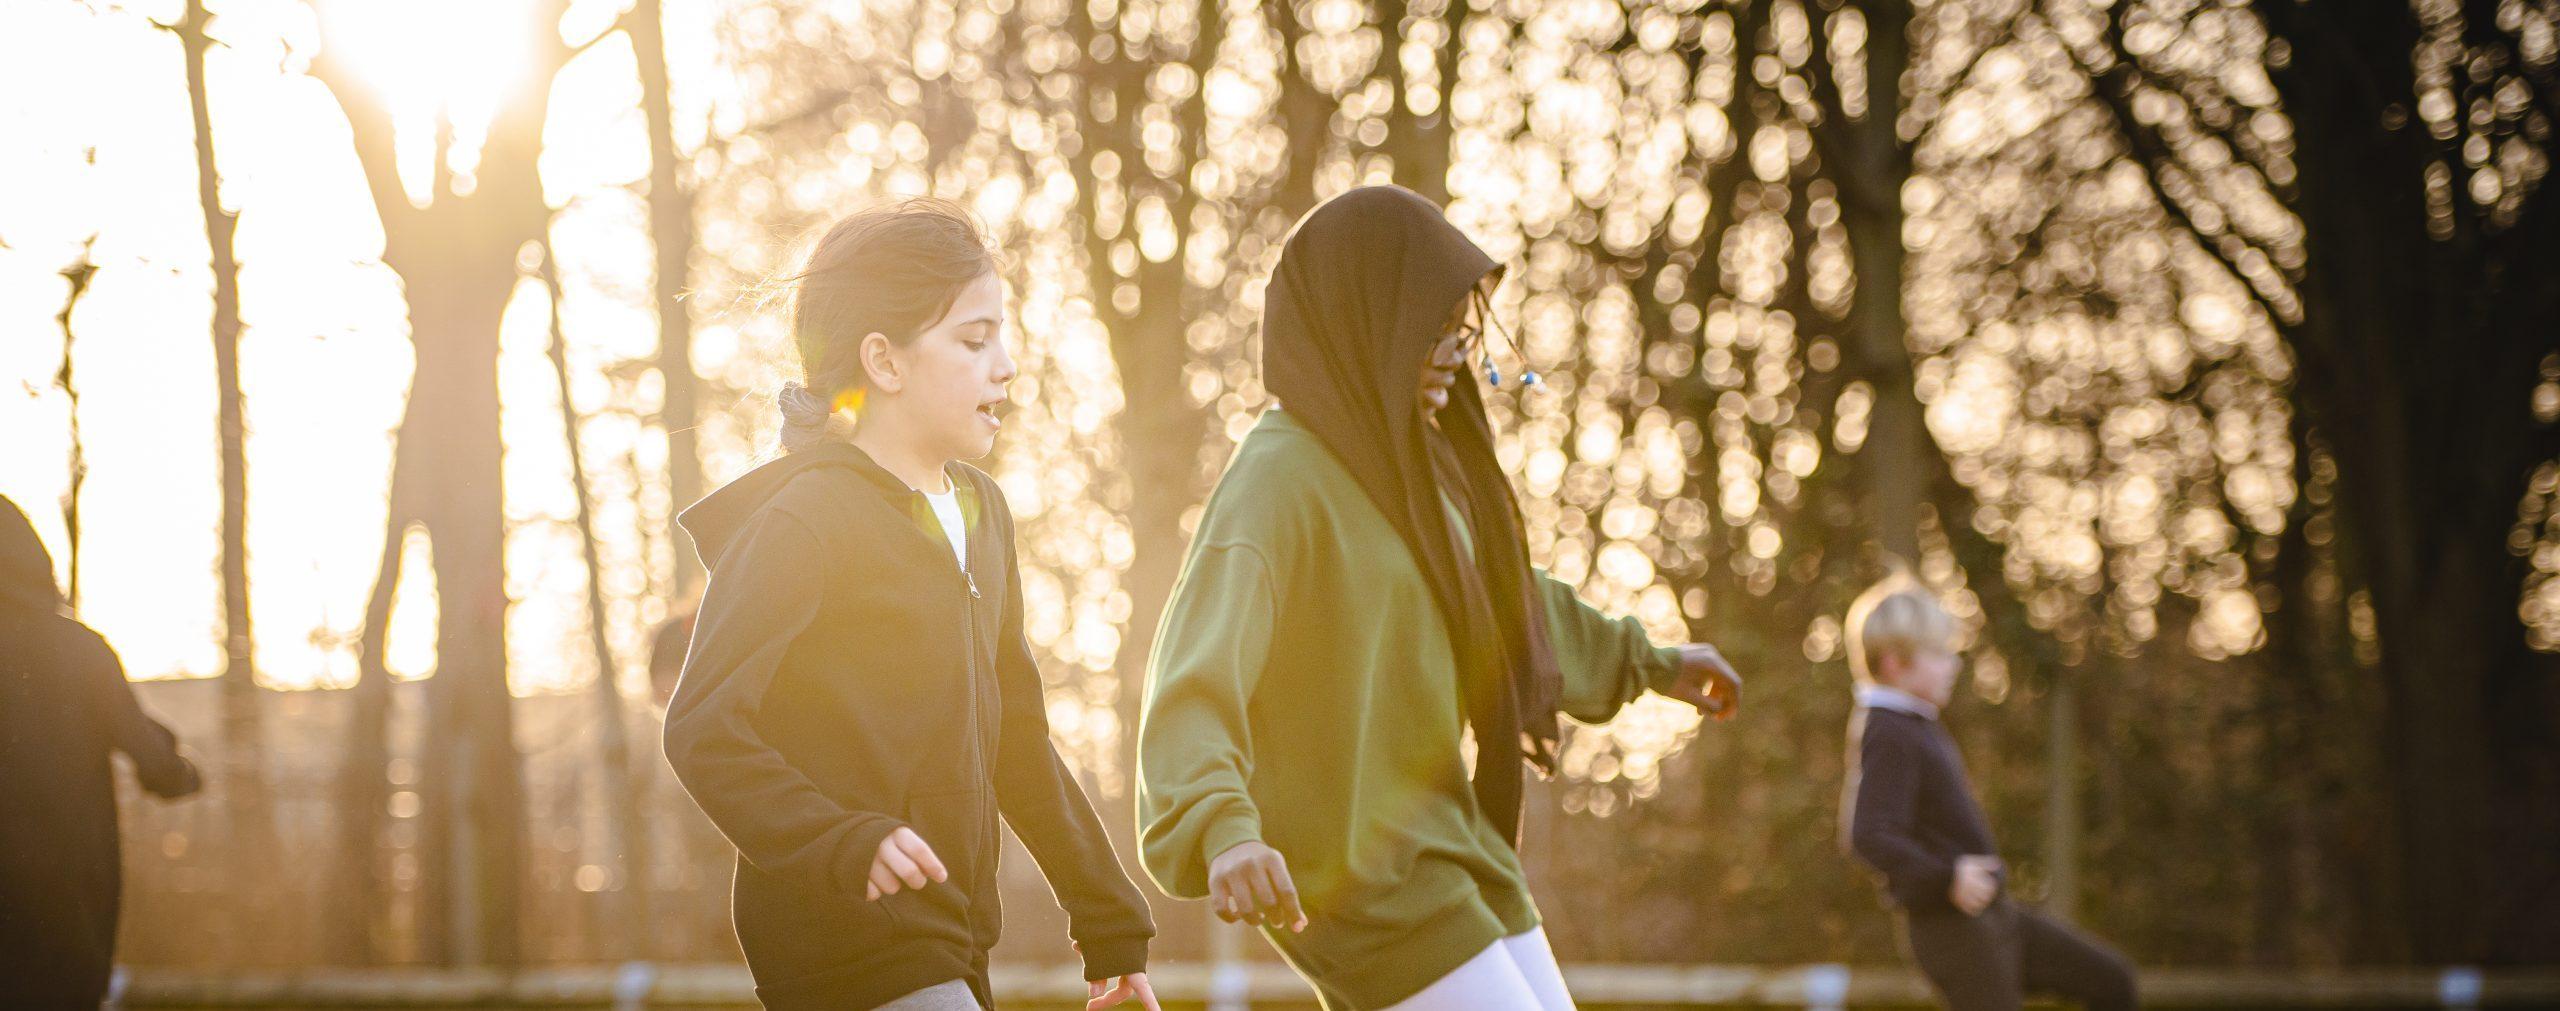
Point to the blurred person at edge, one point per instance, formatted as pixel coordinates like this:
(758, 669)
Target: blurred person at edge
(64, 706)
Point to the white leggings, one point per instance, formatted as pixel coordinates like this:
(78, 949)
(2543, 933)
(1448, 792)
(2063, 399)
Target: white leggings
(1516, 973)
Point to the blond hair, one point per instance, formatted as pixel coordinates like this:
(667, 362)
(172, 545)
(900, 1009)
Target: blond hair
(1897, 615)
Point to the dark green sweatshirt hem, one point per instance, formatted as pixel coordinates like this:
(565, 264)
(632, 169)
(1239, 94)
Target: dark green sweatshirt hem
(1303, 691)
(1373, 975)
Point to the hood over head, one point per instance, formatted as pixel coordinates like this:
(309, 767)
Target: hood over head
(1364, 289)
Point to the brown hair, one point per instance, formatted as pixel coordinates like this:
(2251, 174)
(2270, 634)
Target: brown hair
(892, 270)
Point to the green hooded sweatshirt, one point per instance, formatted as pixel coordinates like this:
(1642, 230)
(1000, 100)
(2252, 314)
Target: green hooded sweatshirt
(1304, 692)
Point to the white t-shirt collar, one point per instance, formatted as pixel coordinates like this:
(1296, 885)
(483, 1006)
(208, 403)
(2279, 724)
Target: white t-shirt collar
(1889, 697)
(955, 527)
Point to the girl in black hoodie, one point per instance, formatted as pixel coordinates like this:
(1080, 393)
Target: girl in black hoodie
(859, 703)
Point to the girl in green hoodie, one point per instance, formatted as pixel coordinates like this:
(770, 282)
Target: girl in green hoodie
(1357, 605)
(859, 704)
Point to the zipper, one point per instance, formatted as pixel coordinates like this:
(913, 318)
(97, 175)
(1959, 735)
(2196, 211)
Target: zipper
(976, 737)
(977, 733)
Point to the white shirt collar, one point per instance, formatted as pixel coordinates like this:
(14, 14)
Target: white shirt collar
(1889, 697)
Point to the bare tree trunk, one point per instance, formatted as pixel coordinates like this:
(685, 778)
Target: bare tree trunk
(1160, 431)
(356, 876)
(627, 837)
(1164, 431)
(2418, 340)
(671, 229)
(457, 259)
(1308, 112)
(77, 275)
(472, 787)
(1419, 142)
(2434, 445)
(1147, 346)
(2292, 660)
(1871, 161)
(252, 844)
(2062, 823)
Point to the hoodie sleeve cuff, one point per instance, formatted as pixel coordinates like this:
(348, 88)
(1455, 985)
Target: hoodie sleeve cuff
(1108, 957)
(1234, 827)
(1660, 666)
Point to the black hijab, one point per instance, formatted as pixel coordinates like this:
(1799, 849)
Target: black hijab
(26, 568)
(1365, 287)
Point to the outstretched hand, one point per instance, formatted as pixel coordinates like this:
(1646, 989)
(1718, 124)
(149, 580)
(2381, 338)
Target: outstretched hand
(1103, 993)
(1707, 682)
(1250, 883)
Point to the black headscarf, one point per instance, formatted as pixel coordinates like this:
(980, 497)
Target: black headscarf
(26, 568)
(1365, 287)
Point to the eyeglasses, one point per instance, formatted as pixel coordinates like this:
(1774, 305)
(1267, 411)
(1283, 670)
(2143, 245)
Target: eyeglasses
(1468, 337)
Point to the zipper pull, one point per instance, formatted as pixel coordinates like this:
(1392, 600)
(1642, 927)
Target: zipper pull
(973, 584)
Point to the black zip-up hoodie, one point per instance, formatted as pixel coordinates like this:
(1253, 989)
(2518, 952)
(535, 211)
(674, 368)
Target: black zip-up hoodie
(846, 678)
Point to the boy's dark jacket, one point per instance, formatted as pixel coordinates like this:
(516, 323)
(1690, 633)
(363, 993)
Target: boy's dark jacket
(1909, 811)
(846, 678)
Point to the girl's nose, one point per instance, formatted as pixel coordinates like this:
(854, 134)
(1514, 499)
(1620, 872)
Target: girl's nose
(1004, 365)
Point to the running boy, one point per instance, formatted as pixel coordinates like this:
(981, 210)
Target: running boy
(1909, 814)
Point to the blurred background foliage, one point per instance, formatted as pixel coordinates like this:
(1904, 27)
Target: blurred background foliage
(2202, 351)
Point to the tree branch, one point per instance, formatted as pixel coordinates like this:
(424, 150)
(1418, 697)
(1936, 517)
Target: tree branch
(370, 124)
(1963, 79)
(2147, 150)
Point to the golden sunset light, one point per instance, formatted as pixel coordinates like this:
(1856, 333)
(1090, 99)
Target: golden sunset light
(2148, 408)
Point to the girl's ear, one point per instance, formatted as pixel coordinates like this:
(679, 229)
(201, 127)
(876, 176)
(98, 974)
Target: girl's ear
(880, 362)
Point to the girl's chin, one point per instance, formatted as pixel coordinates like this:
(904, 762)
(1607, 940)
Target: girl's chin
(977, 444)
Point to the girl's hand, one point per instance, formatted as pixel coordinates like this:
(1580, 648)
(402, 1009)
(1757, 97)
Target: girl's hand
(1707, 681)
(1110, 992)
(904, 861)
(1250, 882)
